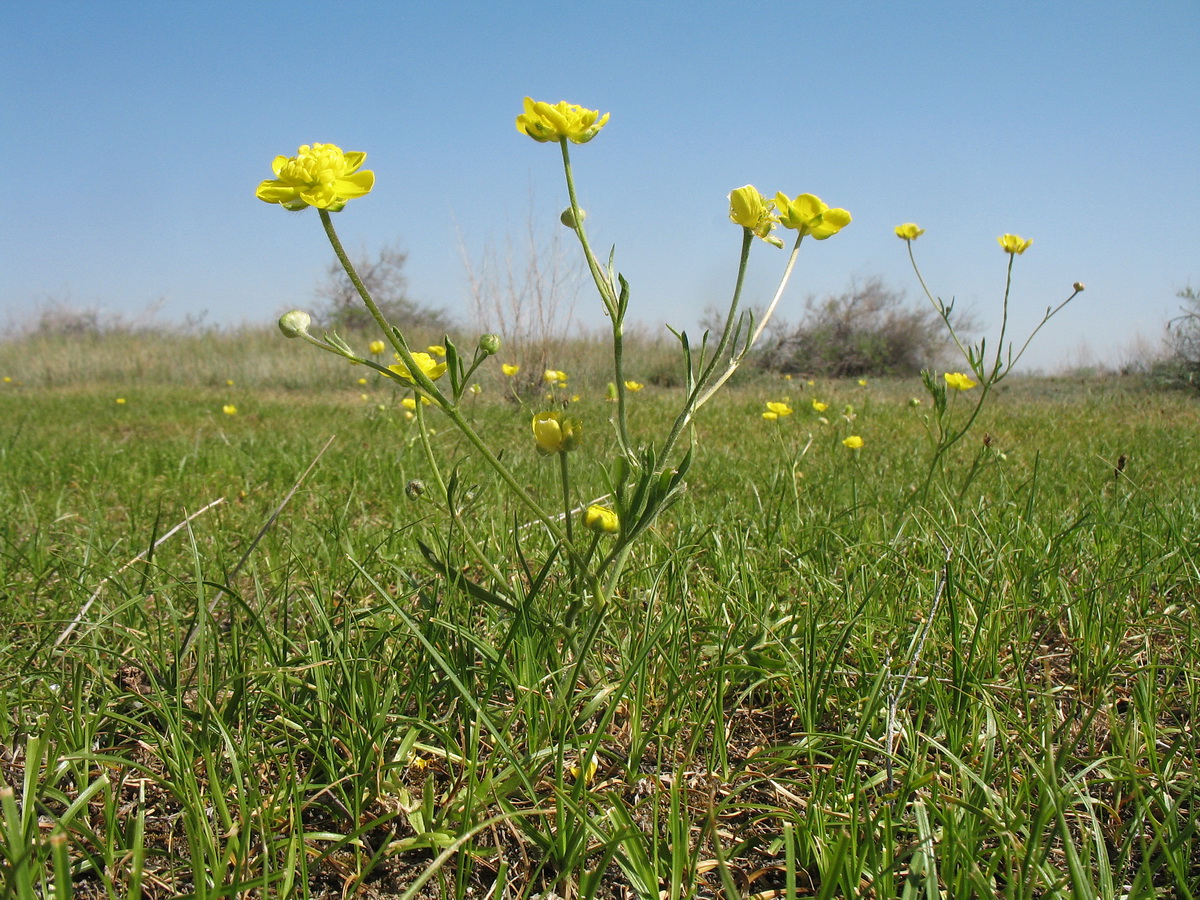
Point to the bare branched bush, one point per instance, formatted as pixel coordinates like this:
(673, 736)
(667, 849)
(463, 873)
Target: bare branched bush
(870, 329)
(1182, 366)
(340, 308)
(526, 293)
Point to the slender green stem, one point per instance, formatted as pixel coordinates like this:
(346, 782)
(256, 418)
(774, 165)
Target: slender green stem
(937, 304)
(706, 369)
(419, 376)
(612, 306)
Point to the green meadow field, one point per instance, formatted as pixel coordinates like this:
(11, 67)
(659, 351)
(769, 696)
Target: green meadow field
(229, 669)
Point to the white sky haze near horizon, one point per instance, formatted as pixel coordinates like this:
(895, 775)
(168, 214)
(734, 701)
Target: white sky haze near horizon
(134, 135)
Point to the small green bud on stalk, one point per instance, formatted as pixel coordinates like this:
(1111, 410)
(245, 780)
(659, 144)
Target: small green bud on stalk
(295, 323)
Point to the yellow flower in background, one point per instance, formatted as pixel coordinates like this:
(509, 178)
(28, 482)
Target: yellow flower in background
(602, 520)
(770, 416)
(376, 347)
(120, 401)
(509, 370)
(1014, 243)
(592, 766)
(8, 379)
(958, 381)
(862, 382)
(777, 410)
(362, 381)
(545, 122)
(436, 349)
(410, 403)
(807, 214)
(554, 434)
(475, 389)
(555, 376)
(819, 406)
(909, 231)
(750, 209)
(229, 409)
(854, 442)
(228, 382)
(319, 175)
(634, 386)
(433, 370)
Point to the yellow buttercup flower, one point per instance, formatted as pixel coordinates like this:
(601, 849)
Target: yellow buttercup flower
(854, 442)
(509, 370)
(750, 209)
(436, 349)
(376, 347)
(958, 381)
(410, 403)
(120, 401)
(319, 175)
(778, 409)
(770, 416)
(545, 122)
(634, 386)
(555, 376)
(554, 434)
(1014, 243)
(909, 231)
(229, 409)
(808, 215)
(433, 370)
(602, 520)
(819, 406)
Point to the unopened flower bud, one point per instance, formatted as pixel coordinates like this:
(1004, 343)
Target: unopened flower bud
(295, 323)
(601, 520)
(489, 344)
(568, 217)
(1078, 286)
(414, 489)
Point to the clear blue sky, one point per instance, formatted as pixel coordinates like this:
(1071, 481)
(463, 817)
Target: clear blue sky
(133, 135)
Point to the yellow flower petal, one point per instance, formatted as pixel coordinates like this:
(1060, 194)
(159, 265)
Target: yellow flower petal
(545, 122)
(509, 370)
(909, 231)
(750, 209)
(958, 381)
(319, 175)
(602, 520)
(808, 215)
(854, 442)
(1014, 243)
(433, 370)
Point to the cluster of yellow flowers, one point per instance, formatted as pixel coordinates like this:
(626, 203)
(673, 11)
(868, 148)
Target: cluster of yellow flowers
(776, 410)
(806, 214)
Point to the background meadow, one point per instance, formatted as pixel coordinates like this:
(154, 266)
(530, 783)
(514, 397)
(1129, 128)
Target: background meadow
(814, 681)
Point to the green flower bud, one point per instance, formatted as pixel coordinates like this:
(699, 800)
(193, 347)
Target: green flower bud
(295, 323)
(568, 217)
(490, 344)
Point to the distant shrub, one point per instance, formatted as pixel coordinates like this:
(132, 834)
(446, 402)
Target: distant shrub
(339, 308)
(1181, 368)
(869, 329)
